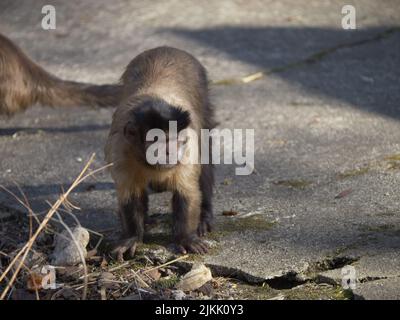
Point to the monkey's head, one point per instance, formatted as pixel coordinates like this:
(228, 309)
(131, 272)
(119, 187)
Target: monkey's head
(156, 132)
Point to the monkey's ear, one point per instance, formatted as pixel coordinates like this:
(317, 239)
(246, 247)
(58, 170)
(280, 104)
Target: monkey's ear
(130, 130)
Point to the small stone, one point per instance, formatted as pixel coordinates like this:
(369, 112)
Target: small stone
(67, 251)
(206, 289)
(178, 295)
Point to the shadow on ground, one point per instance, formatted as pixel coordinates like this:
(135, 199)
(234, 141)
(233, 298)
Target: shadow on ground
(33, 130)
(362, 75)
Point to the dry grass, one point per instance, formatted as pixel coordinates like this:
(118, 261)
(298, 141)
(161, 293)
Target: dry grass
(18, 261)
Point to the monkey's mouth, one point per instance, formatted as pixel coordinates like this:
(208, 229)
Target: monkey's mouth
(165, 166)
(164, 159)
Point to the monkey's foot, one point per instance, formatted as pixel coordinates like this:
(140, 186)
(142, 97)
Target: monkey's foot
(125, 247)
(205, 226)
(192, 245)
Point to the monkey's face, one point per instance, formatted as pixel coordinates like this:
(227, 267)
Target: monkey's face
(166, 149)
(158, 135)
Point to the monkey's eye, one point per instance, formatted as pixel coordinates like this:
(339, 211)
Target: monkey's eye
(129, 129)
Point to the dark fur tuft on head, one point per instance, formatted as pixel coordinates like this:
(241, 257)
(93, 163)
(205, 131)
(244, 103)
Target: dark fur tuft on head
(156, 114)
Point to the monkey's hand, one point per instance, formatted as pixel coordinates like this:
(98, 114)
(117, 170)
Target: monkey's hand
(125, 247)
(192, 244)
(205, 225)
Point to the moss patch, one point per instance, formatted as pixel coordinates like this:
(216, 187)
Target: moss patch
(295, 184)
(318, 292)
(393, 157)
(255, 222)
(353, 173)
(263, 292)
(154, 241)
(167, 282)
(308, 291)
(394, 165)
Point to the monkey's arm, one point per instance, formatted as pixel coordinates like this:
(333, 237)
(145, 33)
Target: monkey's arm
(132, 213)
(206, 187)
(186, 211)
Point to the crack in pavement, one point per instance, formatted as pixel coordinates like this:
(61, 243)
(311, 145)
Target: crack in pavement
(328, 264)
(370, 279)
(314, 58)
(288, 279)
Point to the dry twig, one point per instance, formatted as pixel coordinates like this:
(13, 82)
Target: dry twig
(27, 247)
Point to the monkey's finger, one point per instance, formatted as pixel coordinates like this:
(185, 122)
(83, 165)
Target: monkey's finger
(199, 248)
(202, 229)
(181, 249)
(120, 255)
(203, 248)
(132, 250)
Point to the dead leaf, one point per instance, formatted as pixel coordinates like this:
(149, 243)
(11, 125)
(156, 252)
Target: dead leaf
(195, 278)
(230, 213)
(154, 274)
(103, 264)
(34, 281)
(252, 77)
(343, 194)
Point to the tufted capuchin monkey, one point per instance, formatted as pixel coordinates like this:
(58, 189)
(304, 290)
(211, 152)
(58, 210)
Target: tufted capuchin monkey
(162, 86)
(23, 83)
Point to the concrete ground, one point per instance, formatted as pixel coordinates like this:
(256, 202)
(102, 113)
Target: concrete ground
(326, 117)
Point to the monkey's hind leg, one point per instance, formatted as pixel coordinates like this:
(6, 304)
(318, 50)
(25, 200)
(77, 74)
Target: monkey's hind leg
(186, 211)
(206, 187)
(132, 214)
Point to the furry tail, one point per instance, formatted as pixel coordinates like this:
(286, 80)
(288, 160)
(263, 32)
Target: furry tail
(23, 83)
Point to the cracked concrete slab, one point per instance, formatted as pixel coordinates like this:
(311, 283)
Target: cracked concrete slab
(321, 129)
(385, 289)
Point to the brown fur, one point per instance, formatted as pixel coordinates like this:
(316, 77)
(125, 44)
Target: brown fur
(23, 83)
(178, 79)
